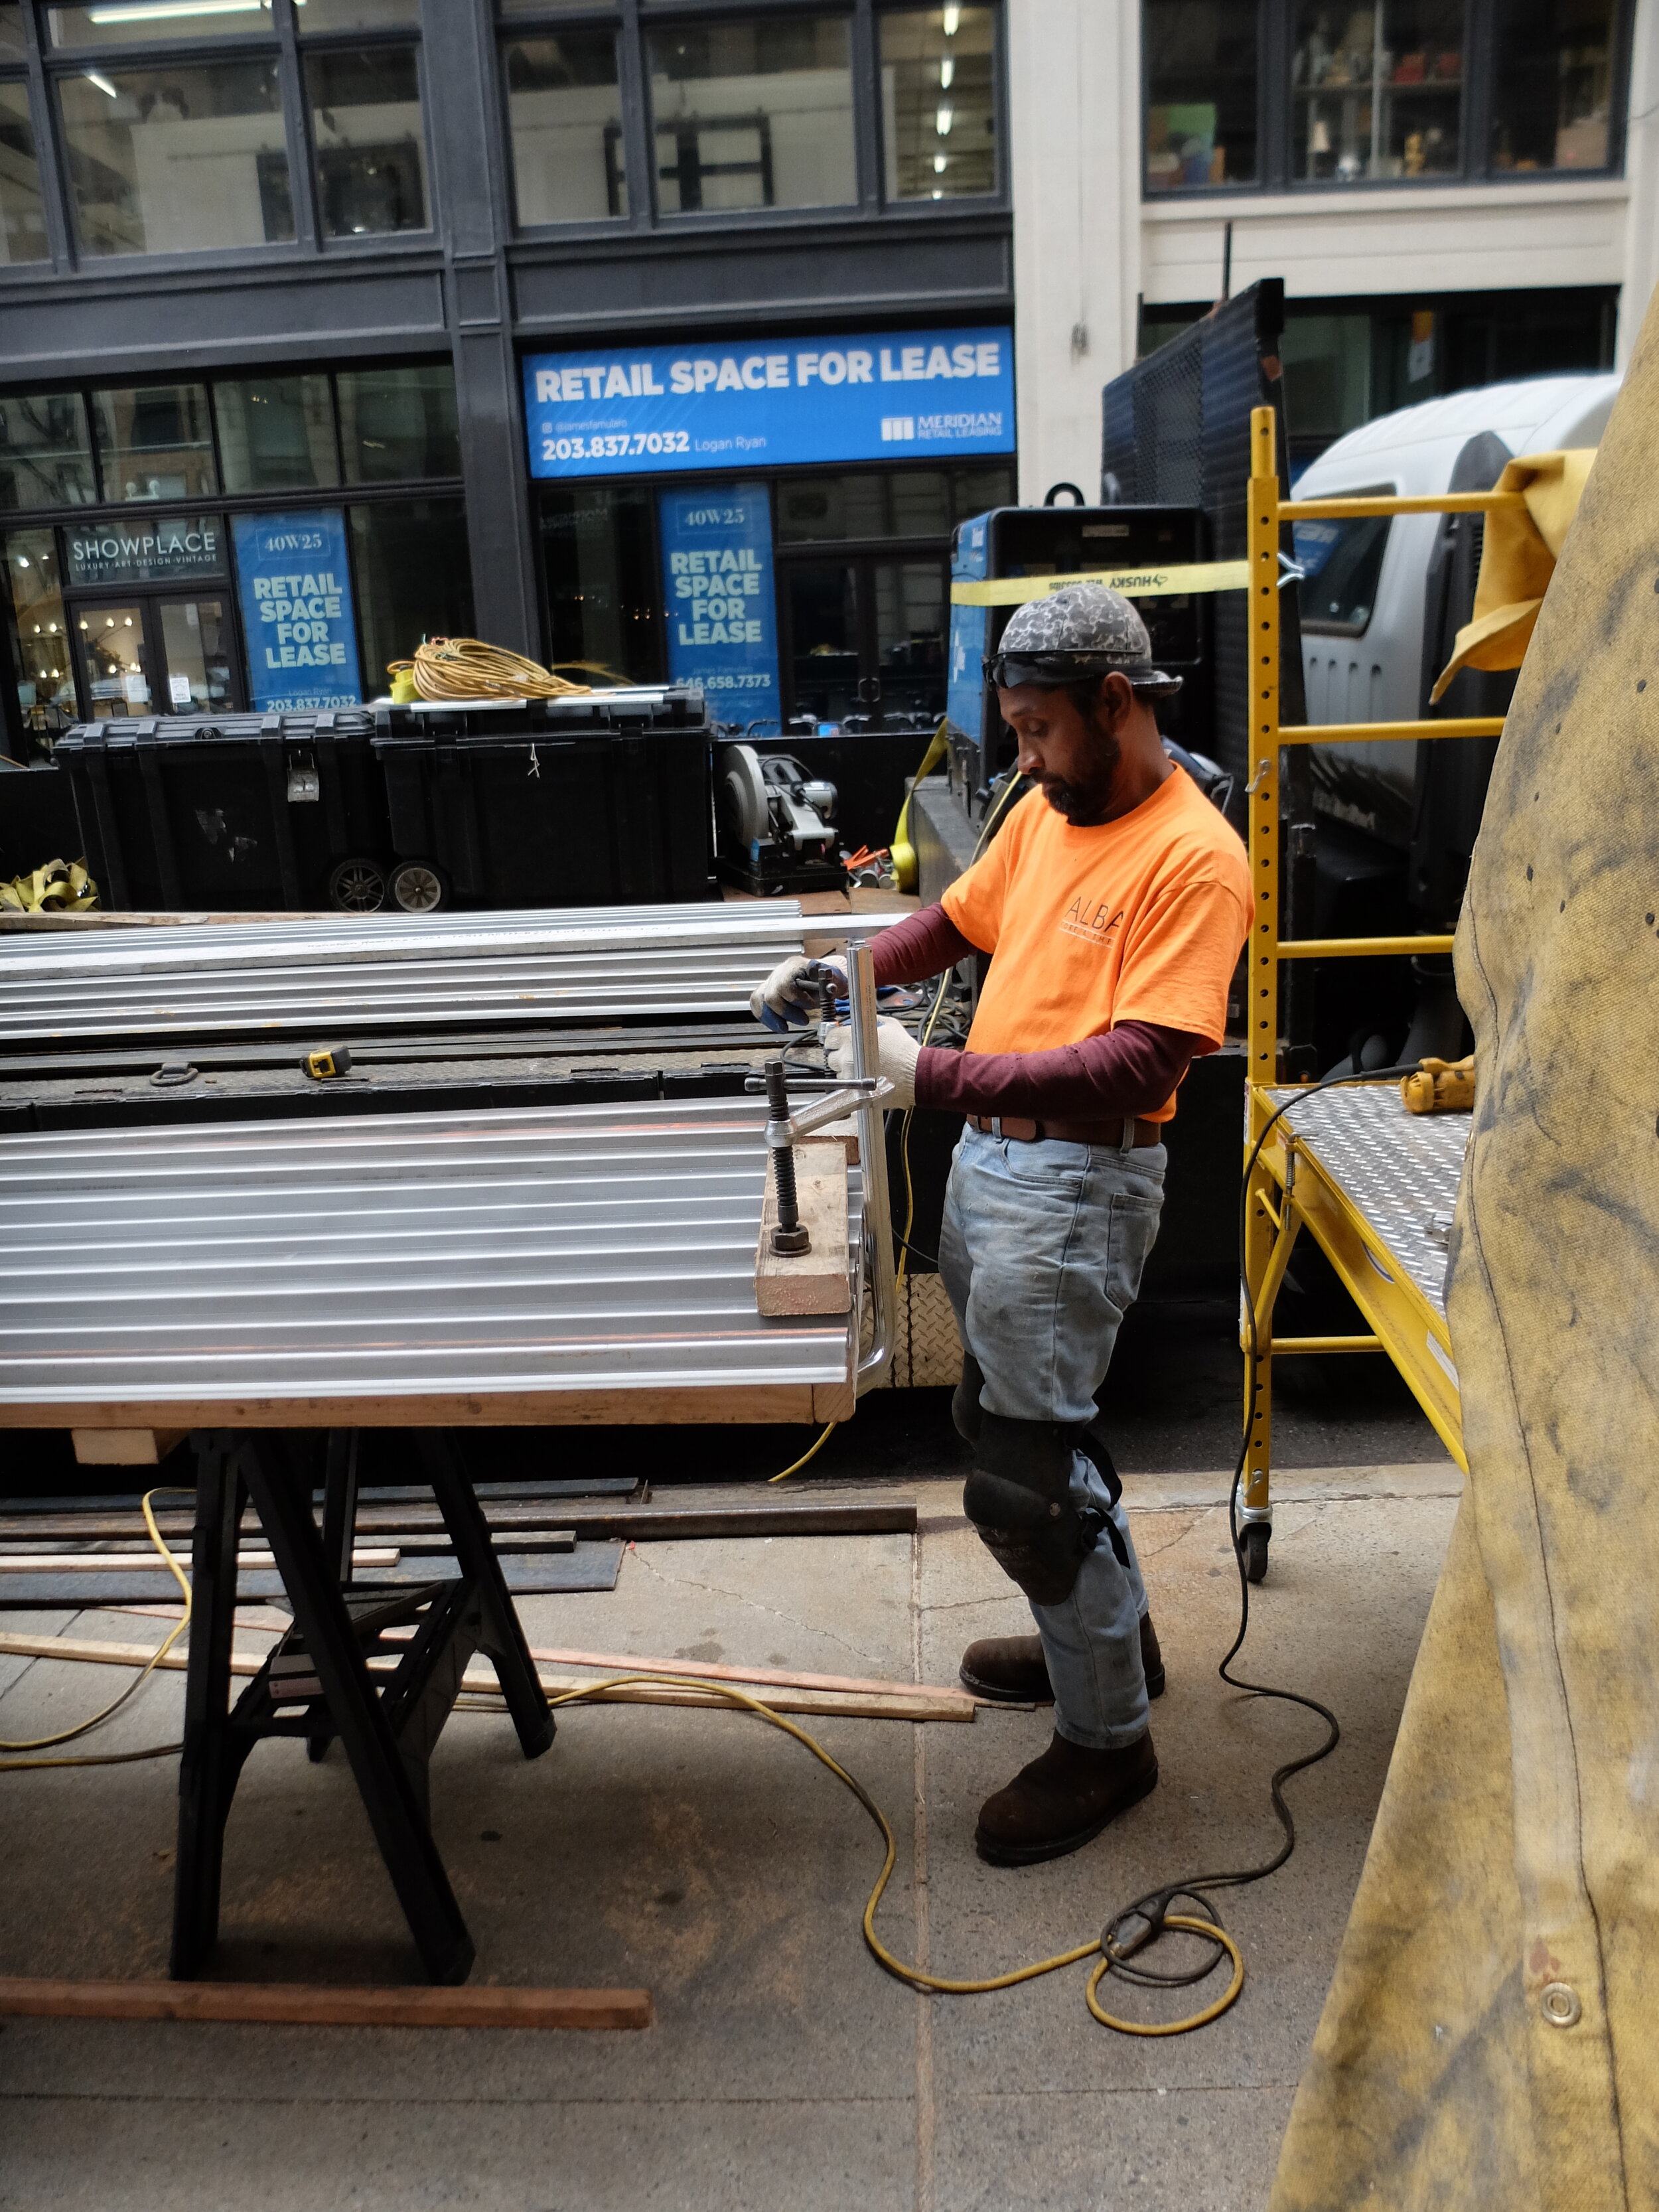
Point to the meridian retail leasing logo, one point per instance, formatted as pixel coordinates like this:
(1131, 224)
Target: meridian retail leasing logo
(895, 428)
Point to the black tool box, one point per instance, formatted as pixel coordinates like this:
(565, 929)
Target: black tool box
(600, 799)
(238, 814)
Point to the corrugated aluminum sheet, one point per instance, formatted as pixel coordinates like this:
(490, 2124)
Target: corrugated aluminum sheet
(312, 977)
(549, 1249)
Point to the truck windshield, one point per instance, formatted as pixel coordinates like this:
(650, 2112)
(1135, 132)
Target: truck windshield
(1341, 563)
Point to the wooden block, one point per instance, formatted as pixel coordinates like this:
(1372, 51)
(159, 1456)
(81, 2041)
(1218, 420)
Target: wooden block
(845, 1133)
(654, 1406)
(302, 2004)
(124, 1446)
(818, 1281)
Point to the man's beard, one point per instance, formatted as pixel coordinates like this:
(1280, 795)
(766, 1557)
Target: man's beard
(1084, 802)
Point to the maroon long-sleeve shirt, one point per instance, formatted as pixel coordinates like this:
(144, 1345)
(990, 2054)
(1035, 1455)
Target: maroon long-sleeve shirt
(1132, 1069)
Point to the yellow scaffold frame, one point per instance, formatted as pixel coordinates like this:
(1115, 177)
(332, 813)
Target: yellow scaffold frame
(1288, 1188)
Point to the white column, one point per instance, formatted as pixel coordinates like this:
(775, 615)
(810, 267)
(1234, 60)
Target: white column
(1641, 169)
(1074, 162)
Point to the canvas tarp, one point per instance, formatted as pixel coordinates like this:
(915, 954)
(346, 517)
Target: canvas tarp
(1489, 2036)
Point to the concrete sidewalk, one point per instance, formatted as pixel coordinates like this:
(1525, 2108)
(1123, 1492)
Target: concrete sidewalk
(707, 1857)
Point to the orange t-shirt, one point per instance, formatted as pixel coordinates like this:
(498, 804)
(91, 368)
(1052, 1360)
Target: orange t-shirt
(1138, 919)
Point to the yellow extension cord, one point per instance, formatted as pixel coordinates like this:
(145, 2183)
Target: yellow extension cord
(83, 1728)
(913, 1976)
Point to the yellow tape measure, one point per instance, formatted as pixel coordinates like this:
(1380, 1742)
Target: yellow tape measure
(1133, 583)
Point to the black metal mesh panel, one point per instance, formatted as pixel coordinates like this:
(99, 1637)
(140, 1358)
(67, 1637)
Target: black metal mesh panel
(1176, 432)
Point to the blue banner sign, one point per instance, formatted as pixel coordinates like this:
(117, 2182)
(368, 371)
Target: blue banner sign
(771, 402)
(722, 611)
(296, 587)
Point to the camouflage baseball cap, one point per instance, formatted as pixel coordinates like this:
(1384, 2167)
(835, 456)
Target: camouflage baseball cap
(1069, 635)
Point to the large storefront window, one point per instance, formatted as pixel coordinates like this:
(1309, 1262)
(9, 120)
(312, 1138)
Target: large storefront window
(154, 441)
(396, 424)
(125, 595)
(39, 632)
(564, 118)
(45, 450)
(22, 212)
(860, 580)
(276, 431)
(753, 114)
(939, 102)
(1553, 100)
(414, 578)
(1379, 94)
(174, 133)
(176, 159)
(604, 600)
(1201, 87)
(370, 144)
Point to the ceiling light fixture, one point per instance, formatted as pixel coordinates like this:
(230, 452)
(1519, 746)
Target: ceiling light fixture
(102, 83)
(947, 69)
(162, 11)
(943, 121)
(952, 22)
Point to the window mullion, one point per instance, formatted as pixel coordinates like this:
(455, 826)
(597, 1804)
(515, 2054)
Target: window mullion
(639, 139)
(1274, 103)
(867, 107)
(296, 119)
(50, 149)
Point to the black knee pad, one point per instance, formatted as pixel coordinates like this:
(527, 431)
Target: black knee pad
(964, 1403)
(1018, 1498)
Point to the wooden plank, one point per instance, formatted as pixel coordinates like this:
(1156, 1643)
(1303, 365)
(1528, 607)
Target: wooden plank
(776, 1515)
(761, 1678)
(303, 2004)
(101, 1446)
(820, 1280)
(656, 1406)
(108, 1563)
(898, 1701)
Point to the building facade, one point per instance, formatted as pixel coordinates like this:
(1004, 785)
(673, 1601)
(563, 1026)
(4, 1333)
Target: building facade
(1455, 191)
(674, 337)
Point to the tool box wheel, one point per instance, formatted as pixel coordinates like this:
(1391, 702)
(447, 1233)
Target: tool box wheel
(357, 886)
(419, 886)
(1253, 1543)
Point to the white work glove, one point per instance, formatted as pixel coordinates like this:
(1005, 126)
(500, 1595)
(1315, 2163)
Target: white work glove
(899, 1054)
(782, 997)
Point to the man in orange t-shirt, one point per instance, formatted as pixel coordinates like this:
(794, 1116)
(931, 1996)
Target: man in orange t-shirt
(1116, 900)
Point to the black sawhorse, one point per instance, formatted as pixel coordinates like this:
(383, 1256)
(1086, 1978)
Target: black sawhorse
(388, 1723)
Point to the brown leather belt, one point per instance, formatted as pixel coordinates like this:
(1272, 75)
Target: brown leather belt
(1068, 1133)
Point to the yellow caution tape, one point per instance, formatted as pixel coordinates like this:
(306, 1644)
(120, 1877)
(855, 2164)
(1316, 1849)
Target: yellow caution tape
(1133, 583)
(53, 888)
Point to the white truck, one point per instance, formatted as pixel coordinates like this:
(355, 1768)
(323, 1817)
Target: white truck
(1368, 621)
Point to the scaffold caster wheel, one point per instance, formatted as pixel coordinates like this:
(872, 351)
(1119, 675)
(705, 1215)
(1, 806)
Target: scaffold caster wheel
(419, 886)
(1253, 1543)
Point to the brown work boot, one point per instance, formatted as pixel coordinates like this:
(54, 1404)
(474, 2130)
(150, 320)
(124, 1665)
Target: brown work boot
(1063, 1800)
(1012, 1671)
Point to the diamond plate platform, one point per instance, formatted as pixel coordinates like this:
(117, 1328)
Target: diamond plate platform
(1400, 1170)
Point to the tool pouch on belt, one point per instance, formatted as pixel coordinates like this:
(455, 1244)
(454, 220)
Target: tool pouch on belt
(1018, 1498)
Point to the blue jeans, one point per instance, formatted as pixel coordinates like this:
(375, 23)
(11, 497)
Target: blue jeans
(1042, 1253)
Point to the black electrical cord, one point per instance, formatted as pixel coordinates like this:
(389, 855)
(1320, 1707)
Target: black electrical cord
(1142, 1922)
